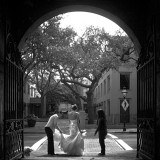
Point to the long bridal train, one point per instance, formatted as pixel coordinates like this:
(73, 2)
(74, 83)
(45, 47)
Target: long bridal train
(73, 144)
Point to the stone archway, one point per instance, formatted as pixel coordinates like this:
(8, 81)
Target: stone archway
(81, 8)
(143, 21)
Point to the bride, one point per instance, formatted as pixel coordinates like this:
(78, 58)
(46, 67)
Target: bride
(73, 144)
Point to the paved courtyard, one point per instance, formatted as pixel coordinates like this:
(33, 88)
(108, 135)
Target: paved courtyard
(91, 146)
(114, 151)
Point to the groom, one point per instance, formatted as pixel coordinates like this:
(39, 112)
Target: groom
(50, 129)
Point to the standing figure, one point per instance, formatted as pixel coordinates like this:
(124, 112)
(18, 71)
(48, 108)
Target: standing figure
(102, 130)
(73, 144)
(50, 129)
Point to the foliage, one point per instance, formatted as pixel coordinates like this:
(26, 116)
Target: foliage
(33, 52)
(123, 48)
(35, 49)
(61, 94)
(89, 57)
(52, 52)
(39, 63)
(36, 55)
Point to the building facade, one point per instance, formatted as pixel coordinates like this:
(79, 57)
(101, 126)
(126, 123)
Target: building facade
(108, 94)
(31, 100)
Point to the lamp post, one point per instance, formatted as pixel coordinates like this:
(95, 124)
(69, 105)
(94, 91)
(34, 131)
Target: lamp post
(124, 92)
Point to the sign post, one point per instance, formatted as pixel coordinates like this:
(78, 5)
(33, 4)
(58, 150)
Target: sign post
(124, 113)
(124, 109)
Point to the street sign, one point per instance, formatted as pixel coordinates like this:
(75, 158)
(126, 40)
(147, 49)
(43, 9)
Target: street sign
(124, 111)
(125, 104)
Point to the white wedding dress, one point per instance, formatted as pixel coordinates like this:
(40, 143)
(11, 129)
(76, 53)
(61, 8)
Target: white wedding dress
(72, 144)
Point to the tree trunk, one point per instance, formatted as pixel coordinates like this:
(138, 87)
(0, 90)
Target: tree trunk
(79, 103)
(90, 108)
(43, 109)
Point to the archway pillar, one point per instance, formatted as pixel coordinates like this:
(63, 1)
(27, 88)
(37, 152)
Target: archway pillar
(157, 50)
(148, 105)
(2, 40)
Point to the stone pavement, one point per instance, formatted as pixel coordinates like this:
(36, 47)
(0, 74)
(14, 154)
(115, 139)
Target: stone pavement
(114, 150)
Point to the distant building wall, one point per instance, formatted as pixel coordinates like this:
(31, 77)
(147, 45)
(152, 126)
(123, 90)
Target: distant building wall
(108, 94)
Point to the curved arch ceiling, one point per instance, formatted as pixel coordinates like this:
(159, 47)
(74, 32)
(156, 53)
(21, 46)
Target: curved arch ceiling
(82, 8)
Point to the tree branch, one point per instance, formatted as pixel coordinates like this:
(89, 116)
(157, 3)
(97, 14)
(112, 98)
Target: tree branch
(76, 82)
(83, 98)
(51, 89)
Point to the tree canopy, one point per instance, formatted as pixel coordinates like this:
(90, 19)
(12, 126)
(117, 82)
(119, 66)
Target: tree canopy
(52, 52)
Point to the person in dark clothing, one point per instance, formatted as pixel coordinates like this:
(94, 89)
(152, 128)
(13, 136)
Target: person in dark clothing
(50, 129)
(102, 130)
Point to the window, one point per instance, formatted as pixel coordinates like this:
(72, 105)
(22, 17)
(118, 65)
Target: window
(124, 80)
(108, 107)
(108, 83)
(105, 87)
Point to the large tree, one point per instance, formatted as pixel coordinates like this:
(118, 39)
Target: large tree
(84, 62)
(61, 94)
(44, 78)
(77, 59)
(35, 46)
(39, 65)
(35, 49)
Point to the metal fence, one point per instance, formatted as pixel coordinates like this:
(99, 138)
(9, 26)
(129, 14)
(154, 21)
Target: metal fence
(13, 102)
(146, 110)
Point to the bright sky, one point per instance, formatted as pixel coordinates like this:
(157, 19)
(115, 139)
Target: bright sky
(80, 20)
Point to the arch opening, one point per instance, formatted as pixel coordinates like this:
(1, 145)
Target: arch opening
(86, 9)
(60, 11)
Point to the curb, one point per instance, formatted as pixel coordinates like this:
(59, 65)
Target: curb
(124, 145)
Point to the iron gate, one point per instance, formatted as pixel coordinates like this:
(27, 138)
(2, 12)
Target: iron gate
(13, 101)
(146, 102)
(146, 111)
